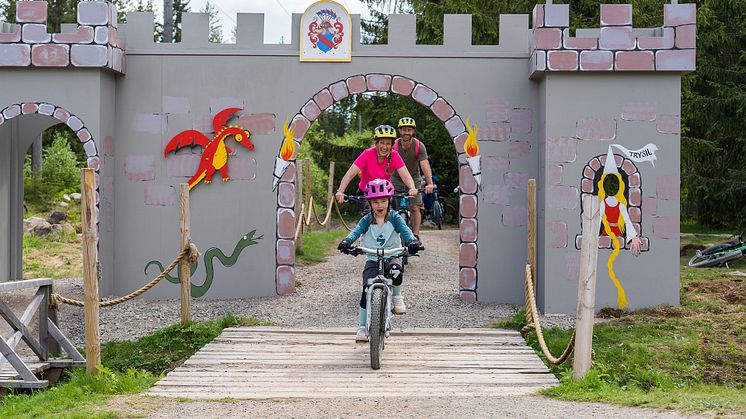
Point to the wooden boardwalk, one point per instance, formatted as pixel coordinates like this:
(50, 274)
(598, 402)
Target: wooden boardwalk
(269, 362)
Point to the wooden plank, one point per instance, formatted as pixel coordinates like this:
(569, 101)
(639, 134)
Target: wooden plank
(43, 294)
(271, 362)
(16, 362)
(16, 324)
(346, 330)
(66, 345)
(24, 284)
(24, 384)
(28, 313)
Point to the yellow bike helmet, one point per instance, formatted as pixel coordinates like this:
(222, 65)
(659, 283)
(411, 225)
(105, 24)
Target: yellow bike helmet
(384, 131)
(407, 122)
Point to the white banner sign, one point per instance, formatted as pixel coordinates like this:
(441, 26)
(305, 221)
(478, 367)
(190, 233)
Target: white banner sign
(646, 153)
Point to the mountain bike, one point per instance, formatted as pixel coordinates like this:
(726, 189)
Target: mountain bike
(439, 212)
(719, 255)
(379, 290)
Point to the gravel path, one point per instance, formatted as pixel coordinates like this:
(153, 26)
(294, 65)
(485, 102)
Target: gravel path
(326, 296)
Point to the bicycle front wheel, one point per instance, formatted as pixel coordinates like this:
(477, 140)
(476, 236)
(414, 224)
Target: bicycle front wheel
(438, 214)
(377, 327)
(701, 260)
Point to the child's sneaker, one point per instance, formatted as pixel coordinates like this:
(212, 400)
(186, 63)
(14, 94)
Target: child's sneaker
(361, 335)
(399, 306)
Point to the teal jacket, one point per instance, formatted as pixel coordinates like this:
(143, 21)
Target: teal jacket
(394, 218)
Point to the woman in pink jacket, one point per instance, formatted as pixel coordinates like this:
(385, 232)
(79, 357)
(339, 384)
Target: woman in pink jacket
(377, 162)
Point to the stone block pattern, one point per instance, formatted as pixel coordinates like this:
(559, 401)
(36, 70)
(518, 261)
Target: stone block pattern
(312, 108)
(634, 203)
(94, 43)
(616, 48)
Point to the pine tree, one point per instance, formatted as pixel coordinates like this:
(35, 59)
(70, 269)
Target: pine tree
(216, 31)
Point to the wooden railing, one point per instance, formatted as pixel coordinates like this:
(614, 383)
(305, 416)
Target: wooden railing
(15, 371)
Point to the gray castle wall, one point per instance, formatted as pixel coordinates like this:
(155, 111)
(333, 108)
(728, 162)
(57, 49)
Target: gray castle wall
(546, 104)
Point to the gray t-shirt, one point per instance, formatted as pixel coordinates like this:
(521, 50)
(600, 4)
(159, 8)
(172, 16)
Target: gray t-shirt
(412, 161)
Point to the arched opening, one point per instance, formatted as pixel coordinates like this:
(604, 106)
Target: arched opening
(21, 125)
(632, 180)
(454, 126)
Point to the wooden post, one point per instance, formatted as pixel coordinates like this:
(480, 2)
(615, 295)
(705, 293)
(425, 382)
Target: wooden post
(299, 202)
(330, 191)
(90, 271)
(184, 264)
(591, 221)
(532, 228)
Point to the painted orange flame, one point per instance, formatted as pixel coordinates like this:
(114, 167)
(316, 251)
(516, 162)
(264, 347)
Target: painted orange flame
(288, 145)
(470, 146)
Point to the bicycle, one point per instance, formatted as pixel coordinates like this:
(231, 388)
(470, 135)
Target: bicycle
(378, 302)
(439, 212)
(719, 255)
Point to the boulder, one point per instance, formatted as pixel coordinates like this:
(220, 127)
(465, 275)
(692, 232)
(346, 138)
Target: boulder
(66, 197)
(57, 217)
(75, 197)
(37, 226)
(63, 204)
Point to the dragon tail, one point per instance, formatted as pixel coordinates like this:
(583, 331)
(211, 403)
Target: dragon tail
(197, 178)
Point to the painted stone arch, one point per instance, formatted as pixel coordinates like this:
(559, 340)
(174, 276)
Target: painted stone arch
(425, 96)
(68, 118)
(631, 176)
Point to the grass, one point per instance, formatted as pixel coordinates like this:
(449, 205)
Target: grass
(128, 367)
(167, 348)
(318, 244)
(690, 358)
(57, 255)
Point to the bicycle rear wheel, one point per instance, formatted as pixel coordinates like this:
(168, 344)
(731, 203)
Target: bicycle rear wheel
(377, 327)
(438, 214)
(701, 260)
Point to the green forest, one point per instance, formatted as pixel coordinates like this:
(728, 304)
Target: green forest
(713, 173)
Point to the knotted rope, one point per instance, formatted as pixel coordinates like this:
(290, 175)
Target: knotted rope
(532, 321)
(190, 252)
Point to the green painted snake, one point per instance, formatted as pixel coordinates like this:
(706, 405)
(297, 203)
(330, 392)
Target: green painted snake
(210, 254)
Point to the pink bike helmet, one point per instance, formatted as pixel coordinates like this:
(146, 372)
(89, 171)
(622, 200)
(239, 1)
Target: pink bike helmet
(379, 188)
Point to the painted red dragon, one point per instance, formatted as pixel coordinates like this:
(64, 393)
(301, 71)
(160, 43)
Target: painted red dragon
(215, 151)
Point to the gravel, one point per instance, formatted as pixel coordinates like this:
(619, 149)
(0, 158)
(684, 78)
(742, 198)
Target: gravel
(326, 295)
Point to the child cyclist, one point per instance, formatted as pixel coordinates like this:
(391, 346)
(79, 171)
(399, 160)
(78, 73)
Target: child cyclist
(381, 228)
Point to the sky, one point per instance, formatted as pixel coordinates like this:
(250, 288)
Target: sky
(277, 14)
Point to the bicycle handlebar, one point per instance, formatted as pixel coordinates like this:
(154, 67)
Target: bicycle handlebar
(399, 251)
(361, 198)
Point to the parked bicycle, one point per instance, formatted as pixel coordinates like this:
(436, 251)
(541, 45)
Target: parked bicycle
(719, 255)
(378, 303)
(438, 211)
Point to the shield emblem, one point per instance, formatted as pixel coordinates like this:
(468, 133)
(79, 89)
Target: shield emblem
(326, 42)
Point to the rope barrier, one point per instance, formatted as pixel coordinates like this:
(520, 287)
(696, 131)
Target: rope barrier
(533, 315)
(190, 252)
(341, 218)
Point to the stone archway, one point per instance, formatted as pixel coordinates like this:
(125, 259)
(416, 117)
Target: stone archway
(72, 121)
(627, 168)
(425, 96)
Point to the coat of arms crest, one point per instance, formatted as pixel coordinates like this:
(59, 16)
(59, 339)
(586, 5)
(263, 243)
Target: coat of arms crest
(325, 31)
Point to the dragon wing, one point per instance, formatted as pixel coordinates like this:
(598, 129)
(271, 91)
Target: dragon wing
(219, 121)
(184, 139)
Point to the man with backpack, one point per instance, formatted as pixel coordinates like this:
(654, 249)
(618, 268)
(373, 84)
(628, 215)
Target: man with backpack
(414, 154)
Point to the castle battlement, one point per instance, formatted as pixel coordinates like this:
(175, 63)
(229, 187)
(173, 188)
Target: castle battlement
(92, 42)
(514, 37)
(616, 45)
(98, 41)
